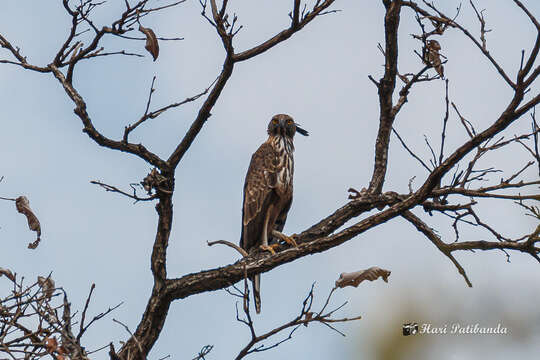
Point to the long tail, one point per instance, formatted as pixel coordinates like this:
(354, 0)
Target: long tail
(257, 292)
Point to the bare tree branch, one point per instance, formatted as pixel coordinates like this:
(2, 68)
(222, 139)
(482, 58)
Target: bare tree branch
(436, 240)
(386, 90)
(305, 317)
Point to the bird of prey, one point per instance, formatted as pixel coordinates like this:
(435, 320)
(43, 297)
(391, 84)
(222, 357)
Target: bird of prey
(268, 191)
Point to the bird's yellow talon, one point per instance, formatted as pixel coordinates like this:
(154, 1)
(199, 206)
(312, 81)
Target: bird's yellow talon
(290, 240)
(269, 248)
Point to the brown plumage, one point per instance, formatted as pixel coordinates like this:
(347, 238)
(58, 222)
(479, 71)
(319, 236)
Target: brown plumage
(434, 57)
(268, 191)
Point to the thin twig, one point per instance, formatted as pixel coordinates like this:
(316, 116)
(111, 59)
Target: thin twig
(83, 316)
(410, 151)
(229, 244)
(114, 189)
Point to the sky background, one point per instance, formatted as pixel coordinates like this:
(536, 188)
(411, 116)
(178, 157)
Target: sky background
(319, 76)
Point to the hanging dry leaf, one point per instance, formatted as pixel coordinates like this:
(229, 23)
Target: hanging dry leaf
(434, 45)
(62, 351)
(434, 57)
(151, 41)
(7, 273)
(355, 278)
(23, 206)
(47, 286)
(152, 181)
(51, 345)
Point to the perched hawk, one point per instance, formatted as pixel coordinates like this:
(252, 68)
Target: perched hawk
(268, 191)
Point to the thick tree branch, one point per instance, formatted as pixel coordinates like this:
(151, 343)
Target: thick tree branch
(157, 307)
(309, 244)
(203, 115)
(386, 91)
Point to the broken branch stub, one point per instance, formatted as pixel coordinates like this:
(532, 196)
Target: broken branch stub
(355, 278)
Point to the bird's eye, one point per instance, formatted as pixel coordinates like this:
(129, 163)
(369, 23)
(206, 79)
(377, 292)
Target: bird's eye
(289, 122)
(275, 121)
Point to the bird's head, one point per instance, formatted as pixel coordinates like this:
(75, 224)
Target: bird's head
(284, 125)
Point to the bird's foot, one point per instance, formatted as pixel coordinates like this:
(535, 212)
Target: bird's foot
(269, 248)
(288, 239)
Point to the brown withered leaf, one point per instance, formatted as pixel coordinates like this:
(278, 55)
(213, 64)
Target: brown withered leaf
(434, 45)
(23, 206)
(434, 58)
(7, 273)
(355, 278)
(51, 345)
(151, 41)
(47, 286)
(152, 181)
(62, 351)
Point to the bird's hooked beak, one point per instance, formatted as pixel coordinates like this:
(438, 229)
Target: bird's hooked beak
(281, 128)
(300, 130)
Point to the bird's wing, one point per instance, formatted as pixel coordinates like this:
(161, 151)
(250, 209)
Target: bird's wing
(261, 179)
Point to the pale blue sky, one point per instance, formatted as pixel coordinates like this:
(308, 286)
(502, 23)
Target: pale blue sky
(319, 77)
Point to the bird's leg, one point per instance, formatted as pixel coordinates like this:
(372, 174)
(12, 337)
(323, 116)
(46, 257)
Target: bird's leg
(267, 247)
(288, 239)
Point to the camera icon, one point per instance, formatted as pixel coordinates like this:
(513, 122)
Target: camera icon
(410, 329)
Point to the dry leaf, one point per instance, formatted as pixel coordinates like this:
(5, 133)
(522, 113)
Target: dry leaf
(61, 351)
(34, 244)
(7, 273)
(434, 45)
(151, 41)
(23, 206)
(355, 278)
(152, 181)
(51, 344)
(47, 286)
(434, 58)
